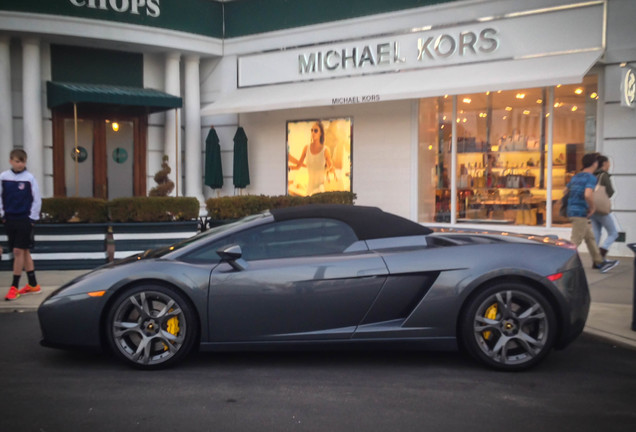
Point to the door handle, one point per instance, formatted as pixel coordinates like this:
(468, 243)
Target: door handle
(369, 273)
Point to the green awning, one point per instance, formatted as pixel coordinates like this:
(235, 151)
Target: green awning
(61, 94)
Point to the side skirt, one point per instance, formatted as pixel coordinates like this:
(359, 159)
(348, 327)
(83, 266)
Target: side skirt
(428, 344)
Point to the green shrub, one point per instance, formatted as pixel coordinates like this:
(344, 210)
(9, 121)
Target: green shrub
(163, 209)
(236, 207)
(332, 198)
(71, 209)
(134, 209)
(153, 209)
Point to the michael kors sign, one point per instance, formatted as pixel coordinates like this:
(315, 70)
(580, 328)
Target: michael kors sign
(402, 52)
(528, 34)
(386, 53)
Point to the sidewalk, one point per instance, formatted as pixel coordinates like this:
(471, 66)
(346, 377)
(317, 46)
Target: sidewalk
(610, 315)
(612, 302)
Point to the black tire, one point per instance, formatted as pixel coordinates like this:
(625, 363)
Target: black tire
(508, 326)
(151, 327)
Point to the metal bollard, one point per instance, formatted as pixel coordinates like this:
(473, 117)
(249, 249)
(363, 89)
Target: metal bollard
(632, 246)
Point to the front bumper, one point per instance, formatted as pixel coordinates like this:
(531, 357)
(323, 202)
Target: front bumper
(71, 321)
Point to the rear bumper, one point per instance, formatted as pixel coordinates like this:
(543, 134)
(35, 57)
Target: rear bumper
(576, 298)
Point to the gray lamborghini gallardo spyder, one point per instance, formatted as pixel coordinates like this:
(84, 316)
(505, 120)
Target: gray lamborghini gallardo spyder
(328, 276)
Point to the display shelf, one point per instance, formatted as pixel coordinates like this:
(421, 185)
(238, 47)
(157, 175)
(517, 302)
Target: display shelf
(503, 186)
(498, 152)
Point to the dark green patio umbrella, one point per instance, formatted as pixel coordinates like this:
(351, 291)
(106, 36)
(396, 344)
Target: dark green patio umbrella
(213, 168)
(241, 167)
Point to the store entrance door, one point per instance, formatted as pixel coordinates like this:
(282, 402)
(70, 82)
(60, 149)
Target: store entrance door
(108, 162)
(118, 160)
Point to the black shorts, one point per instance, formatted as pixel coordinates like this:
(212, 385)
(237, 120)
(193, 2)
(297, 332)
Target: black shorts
(19, 233)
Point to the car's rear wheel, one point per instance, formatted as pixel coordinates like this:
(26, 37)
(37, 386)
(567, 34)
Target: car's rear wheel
(508, 326)
(151, 327)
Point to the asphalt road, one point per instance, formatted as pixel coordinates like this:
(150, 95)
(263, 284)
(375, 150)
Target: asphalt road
(591, 386)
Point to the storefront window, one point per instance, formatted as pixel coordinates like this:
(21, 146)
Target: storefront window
(499, 146)
(502, 170)
(435, 130)
(574, 134)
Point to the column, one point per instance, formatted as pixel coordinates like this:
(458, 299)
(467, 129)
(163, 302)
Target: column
(6, 117)
(219, 79)
(193, 153)
(32, 108)
(171, 141)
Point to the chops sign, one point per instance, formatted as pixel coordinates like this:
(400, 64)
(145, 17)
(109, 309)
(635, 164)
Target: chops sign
(135, 7)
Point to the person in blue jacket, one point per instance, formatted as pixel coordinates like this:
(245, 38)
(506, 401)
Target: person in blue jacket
(20, 209)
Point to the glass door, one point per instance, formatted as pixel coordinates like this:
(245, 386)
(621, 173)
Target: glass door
(119, 158)
(78, 175)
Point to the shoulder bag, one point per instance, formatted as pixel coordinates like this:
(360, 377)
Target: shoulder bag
(602, 203)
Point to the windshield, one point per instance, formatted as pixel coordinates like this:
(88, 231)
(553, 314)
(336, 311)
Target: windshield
(159, 252)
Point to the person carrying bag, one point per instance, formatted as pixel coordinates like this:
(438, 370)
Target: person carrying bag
(603, 216)
(581, 207)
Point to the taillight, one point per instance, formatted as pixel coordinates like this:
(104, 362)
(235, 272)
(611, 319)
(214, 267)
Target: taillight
(555, 277)
(565, 244)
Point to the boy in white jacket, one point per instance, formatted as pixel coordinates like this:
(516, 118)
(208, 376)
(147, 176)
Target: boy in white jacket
(20, 209)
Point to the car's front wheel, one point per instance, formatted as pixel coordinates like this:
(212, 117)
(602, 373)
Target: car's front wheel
(508, 326)
(151, 326)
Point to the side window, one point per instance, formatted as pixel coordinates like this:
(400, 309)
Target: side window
(293, 238)
(304, 237)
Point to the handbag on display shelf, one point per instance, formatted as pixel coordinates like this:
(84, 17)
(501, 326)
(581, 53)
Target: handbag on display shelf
(515, 181)
(602, 203)
(526, 216)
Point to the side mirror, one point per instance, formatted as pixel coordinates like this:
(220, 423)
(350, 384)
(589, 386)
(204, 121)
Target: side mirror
(233, 255)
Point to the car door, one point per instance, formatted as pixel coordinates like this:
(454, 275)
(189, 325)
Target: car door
(306, 279)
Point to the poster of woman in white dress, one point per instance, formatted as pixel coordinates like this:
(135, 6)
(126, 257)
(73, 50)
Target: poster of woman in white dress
(318, 156)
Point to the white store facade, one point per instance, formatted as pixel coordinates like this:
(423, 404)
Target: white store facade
(458, 113)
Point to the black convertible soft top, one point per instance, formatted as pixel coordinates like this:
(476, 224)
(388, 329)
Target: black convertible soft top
(367, 222)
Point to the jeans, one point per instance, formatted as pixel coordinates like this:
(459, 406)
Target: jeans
(610, 224)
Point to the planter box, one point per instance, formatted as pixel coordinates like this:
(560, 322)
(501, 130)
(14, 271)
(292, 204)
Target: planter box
(133, 238)
(79, 246)
(63, 247)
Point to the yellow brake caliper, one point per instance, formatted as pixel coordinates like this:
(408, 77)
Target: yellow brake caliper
(491, 313)
(172, 327)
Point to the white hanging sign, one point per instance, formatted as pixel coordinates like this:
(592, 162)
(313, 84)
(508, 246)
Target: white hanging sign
(628, 87)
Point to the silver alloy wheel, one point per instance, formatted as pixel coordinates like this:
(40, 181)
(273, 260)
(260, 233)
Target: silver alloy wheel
(149, 328)
(511, 328)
